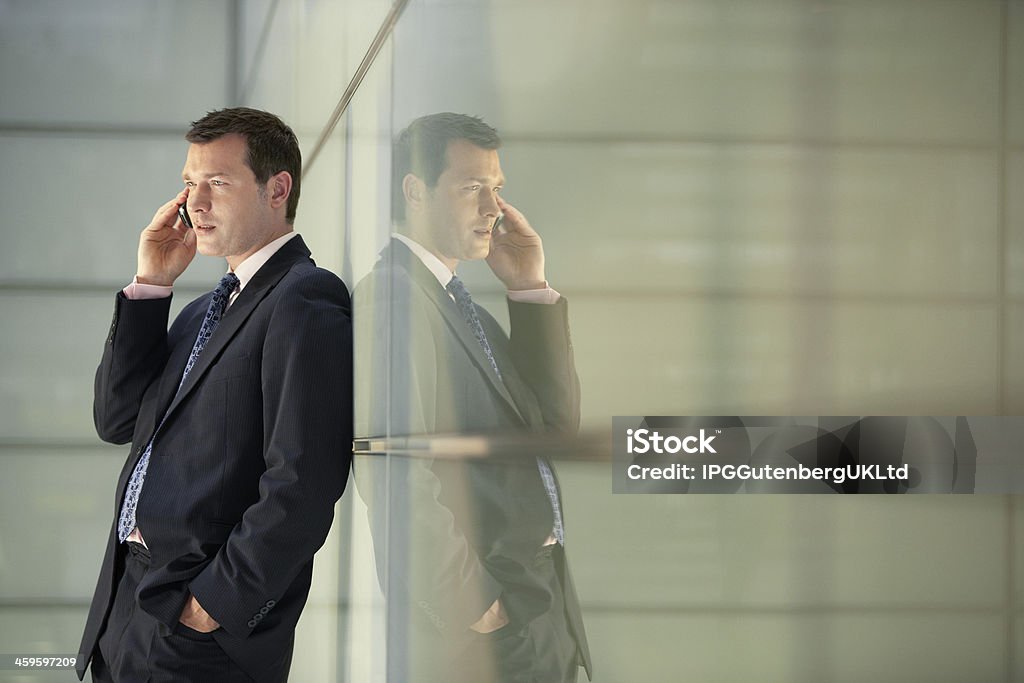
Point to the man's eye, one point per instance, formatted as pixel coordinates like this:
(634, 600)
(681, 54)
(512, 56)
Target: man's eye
(473, 188)
(217, 182)
(189, 183)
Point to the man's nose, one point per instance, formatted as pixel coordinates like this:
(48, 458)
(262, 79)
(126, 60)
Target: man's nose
(199, 198)
(489, 205)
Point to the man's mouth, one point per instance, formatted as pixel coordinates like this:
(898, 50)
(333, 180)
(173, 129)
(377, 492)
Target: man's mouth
(204, 228)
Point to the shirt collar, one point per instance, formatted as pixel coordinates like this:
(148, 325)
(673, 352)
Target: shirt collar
(249, 267)
(433, 264)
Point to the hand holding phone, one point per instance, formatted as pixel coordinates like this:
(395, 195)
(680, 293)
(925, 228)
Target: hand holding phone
(167, 245)
(516, 255)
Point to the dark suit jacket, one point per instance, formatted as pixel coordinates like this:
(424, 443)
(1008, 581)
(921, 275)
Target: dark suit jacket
(247, 467)
(452, 536)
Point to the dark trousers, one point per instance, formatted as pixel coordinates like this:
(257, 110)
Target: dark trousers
(135, 647)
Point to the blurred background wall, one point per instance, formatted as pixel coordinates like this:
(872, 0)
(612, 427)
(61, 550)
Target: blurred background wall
(785, 207)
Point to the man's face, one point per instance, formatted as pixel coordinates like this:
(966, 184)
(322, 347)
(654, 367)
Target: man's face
(462, 207)
(229, 209)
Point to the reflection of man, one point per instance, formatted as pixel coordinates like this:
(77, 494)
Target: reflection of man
(238, 420)
(470, 553)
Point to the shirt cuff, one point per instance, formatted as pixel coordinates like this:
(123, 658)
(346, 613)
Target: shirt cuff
(137, 291)
(534, 296)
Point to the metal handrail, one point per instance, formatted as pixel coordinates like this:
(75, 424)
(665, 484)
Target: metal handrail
(591, 446)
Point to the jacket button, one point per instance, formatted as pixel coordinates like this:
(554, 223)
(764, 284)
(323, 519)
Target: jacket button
(252, 623)
(270, 603)
(264, 610)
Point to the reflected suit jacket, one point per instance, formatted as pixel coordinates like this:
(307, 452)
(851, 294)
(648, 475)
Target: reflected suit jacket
(451, 536)
(248, 464)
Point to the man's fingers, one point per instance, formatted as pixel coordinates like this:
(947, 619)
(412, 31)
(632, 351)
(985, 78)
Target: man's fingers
(508, 208)
(514, 220)
(167, 215)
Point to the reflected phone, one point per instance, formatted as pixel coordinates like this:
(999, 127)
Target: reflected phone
(183, 215)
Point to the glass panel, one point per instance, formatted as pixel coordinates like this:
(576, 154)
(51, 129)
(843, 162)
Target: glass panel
(654, 69)
(1015, 71)
(750, 210)
(774, 219)
(1014, 256)
(1015, 359)
(768, 647)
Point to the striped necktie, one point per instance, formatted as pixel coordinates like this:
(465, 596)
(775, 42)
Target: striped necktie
(465, 303)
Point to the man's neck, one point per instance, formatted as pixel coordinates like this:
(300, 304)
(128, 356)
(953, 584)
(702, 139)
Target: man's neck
(281, 231)
(440, 271)
(449, 263)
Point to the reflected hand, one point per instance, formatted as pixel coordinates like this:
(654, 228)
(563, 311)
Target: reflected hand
(493, 619)
(516, 255)
(196, 618)
(166, 247)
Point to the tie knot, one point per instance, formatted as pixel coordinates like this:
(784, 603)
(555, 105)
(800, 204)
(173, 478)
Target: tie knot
(464, 302)
(227, 285)
(457, 289)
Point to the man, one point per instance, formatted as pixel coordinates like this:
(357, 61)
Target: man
(470, 552)
(239, 417)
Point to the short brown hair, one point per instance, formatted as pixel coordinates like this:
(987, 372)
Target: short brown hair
(421, 149)
(271, 145)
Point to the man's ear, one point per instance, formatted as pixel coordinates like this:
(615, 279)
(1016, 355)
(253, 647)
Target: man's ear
(415, 191)
(279, 188)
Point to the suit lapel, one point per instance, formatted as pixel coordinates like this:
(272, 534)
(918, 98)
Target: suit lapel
(513, 384)
(169, 381)
(261, 284)
(400, 255)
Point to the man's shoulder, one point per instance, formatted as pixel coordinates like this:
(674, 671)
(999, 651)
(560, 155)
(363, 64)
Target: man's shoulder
(387, 280)
(307, 301)
(305, 279)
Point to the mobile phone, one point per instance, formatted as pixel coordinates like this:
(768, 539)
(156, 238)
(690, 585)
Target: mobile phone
(183, 215)
(497, 222)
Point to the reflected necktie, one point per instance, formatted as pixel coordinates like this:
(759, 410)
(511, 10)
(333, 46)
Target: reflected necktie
(218, 304)
(465, 303)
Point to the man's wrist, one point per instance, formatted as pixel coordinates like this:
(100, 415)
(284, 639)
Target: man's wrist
(493, 619)
(153, 280)
(526, 286)
(542, 295)
(139, 290)
(196, 617)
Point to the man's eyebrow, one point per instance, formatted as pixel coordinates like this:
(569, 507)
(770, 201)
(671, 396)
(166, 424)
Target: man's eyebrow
(187, 176)
(485, 181)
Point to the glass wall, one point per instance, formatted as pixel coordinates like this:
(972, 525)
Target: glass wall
(788, 208)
